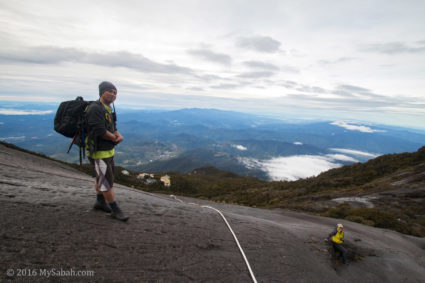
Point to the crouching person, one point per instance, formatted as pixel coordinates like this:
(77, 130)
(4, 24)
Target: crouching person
(337, 238)
(102, 138)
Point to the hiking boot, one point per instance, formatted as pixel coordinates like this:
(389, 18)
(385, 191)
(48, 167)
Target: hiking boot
(118, 214)
(102, 205)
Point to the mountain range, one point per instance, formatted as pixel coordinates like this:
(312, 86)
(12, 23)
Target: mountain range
(251, 145)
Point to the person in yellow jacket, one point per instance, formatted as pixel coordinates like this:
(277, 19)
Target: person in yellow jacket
(337, 238)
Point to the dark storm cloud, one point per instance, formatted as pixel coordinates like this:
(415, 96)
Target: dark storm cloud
(211, 56)
(264, 44)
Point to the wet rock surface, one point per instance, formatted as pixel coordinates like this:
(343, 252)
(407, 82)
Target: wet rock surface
(47, 222)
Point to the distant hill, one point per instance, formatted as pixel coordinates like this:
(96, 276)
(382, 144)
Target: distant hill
(196, 158)
(209, 118)
(185, 139)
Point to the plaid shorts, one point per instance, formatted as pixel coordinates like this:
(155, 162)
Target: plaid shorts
(104, 173)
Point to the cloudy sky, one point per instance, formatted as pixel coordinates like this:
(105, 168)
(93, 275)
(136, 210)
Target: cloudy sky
(361, 60)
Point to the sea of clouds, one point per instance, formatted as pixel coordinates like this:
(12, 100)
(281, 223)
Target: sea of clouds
(292, 168)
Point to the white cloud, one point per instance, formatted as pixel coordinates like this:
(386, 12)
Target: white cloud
(342, 157)
(293, 167)
(285, 59)
(353, 126)
(240, 147)
(253, 75)
(23, 112)
(264, 44)
(55, 55)
(261, 65)
(355, 152)
(396, 47)
(211, 56)
(298, 143)
(296, 167)
(250, 163)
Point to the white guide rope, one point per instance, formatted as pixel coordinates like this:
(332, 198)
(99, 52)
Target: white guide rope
(231, 230)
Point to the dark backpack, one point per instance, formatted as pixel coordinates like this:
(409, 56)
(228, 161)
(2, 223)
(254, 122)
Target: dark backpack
(70, 121)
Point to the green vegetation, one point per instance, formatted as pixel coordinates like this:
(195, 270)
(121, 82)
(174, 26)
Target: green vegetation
(382, 218)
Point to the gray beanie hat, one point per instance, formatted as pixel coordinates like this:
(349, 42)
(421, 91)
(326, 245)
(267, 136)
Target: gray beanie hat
(104, 86)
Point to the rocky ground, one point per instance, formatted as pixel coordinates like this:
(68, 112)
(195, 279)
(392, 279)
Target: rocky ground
(48, 225)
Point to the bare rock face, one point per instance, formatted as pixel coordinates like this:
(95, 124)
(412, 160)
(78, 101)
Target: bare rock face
(48, 225)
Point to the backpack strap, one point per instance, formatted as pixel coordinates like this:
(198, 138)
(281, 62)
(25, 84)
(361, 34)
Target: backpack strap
(72, 143)
(114, 114)
(81, 158)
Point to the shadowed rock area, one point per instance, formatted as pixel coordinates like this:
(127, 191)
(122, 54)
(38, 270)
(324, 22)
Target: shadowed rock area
(47, 222)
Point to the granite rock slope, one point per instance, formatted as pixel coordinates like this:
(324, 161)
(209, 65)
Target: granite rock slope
(47, 223)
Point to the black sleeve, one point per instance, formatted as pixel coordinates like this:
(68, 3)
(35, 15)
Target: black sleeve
(96, 120)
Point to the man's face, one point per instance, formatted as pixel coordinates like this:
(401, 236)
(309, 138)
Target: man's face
(109, 96)
(339, 229)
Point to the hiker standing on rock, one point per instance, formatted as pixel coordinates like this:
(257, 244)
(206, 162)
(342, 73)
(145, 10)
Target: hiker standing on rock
(337, 238)
(101, 140)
